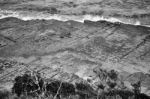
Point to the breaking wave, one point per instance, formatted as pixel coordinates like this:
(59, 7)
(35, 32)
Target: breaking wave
(80, 18)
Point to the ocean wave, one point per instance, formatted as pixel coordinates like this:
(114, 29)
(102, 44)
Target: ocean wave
(80, 18)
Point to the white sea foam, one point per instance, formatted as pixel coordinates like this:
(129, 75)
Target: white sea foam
(45, 16)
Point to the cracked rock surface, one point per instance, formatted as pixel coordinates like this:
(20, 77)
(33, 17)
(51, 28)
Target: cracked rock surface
(70, 50)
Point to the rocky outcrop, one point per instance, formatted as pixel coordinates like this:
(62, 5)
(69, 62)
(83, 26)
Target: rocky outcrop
(71, 50)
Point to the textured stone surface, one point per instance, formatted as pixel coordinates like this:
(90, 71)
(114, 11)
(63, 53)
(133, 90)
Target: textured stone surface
(71, 50)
